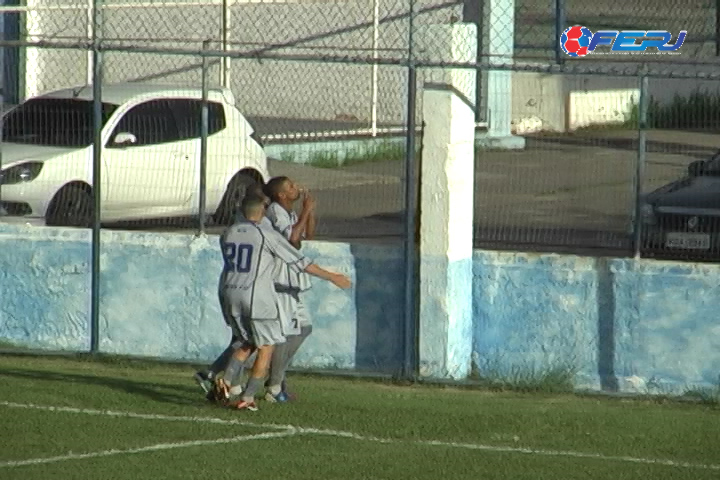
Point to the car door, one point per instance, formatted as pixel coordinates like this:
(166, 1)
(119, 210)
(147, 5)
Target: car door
(187, 112)
(142, 160)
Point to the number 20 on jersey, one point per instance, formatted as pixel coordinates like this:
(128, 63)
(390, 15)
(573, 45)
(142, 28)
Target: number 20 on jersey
(238, 257)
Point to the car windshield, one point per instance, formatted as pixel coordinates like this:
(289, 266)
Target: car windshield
(56, 122)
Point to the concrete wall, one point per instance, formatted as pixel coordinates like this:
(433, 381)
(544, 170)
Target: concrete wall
(282, 89)
(567, 102)
(643, 326)
(159, 297)
(635, 326)
(296, 90)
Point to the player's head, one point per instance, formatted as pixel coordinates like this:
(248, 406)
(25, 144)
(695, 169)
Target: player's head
(253, 207)
(257, 189)
(282, 190)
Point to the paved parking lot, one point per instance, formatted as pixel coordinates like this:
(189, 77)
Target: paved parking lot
(575, 190)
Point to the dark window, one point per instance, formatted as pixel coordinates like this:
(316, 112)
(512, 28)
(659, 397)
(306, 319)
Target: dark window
(188, 117)
(151, 123)
(57, 122)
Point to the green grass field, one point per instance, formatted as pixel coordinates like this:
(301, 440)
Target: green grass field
(72, 417)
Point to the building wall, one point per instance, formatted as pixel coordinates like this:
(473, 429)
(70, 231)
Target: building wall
(263, 87)
(616, 324)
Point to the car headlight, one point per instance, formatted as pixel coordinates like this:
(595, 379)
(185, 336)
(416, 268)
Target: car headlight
(647, 213)
(24, 172)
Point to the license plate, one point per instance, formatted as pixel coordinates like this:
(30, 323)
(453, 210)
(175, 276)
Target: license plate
(688, 241)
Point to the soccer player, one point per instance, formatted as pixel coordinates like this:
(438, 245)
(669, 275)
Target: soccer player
(284, 193)
(206, 378)
(250, 254)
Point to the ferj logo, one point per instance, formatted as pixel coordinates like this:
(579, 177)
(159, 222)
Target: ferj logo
(579, 41)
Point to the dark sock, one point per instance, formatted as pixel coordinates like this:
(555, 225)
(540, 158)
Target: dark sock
(237, 378)
(277, 365)
(294, 343)
(231, 371)
(253, 386)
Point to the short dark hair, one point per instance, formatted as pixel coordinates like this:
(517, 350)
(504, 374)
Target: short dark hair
(274, 187)
(256, 189)
(251, 204)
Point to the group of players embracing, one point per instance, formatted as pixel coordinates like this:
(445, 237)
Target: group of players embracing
(261, 288)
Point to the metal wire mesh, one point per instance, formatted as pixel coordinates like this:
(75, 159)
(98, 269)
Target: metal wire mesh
(315, 81)
(679, 207)
(537, 30)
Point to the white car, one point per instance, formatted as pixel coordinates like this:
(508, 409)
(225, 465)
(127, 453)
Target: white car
(150, 155)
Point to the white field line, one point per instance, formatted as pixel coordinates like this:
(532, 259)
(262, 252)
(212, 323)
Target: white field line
(287, 430)
(144, 416)
(150, 448)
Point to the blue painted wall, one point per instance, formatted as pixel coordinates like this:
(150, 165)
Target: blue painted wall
(159, 297)
(635, 326)
(623, 325)
(535, 314)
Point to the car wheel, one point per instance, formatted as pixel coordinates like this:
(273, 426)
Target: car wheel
(72, 206)
(225, 213)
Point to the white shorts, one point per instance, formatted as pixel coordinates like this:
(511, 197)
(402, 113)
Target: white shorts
(302, 313)
(293, 314)
(266, 332)
(253, 331)
(257, 332)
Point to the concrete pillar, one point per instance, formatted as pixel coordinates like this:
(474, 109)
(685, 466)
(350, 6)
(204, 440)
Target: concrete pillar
(446, 205)
(498, 49)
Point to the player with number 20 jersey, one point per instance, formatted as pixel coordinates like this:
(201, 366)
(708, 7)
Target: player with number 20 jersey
(250, 254)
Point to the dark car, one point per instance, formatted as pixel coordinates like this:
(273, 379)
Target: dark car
(684, 216)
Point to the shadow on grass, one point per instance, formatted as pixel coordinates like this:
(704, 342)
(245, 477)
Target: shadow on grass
(176, 394)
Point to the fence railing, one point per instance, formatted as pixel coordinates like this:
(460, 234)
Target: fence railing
(613, 157)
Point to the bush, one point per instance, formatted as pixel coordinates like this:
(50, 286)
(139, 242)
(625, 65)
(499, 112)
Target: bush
(700, 110)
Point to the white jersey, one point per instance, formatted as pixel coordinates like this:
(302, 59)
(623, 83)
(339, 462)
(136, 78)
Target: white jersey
(264, 222)
(250, 253)
(283, 221)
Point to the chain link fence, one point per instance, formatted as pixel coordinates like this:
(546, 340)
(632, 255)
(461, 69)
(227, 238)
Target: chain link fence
(539, 23)
(325, 87)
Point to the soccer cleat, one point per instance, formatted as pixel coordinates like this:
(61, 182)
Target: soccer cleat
(291, 397)
(221, 391)
(236, 390)
(281, 397)
(244, 405)
(210, 396)
(203, 381)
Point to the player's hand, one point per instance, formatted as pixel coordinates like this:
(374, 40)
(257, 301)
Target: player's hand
(308, 202)
(341, 281)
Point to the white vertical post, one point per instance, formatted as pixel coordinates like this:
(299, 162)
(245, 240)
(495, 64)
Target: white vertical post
(446, 204)
(33, 73)
(374, 87)
(499, 50)
(225, 62)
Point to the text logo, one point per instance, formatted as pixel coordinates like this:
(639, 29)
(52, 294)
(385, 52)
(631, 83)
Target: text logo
(578, 41)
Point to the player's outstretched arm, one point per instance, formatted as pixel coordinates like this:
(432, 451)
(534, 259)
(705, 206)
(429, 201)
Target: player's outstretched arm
(338, 279)
(281, 248)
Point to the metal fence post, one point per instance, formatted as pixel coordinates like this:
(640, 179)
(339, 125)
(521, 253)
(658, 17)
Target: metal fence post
(374, 79)
(203, 137)
(717, 28)
(640, 164)
(410, 326)
(96, 187)
(559, 29)
(2, 123)
(225, 62)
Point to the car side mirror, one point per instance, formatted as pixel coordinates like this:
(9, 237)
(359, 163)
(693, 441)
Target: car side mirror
(124, 139)
(696, 168)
